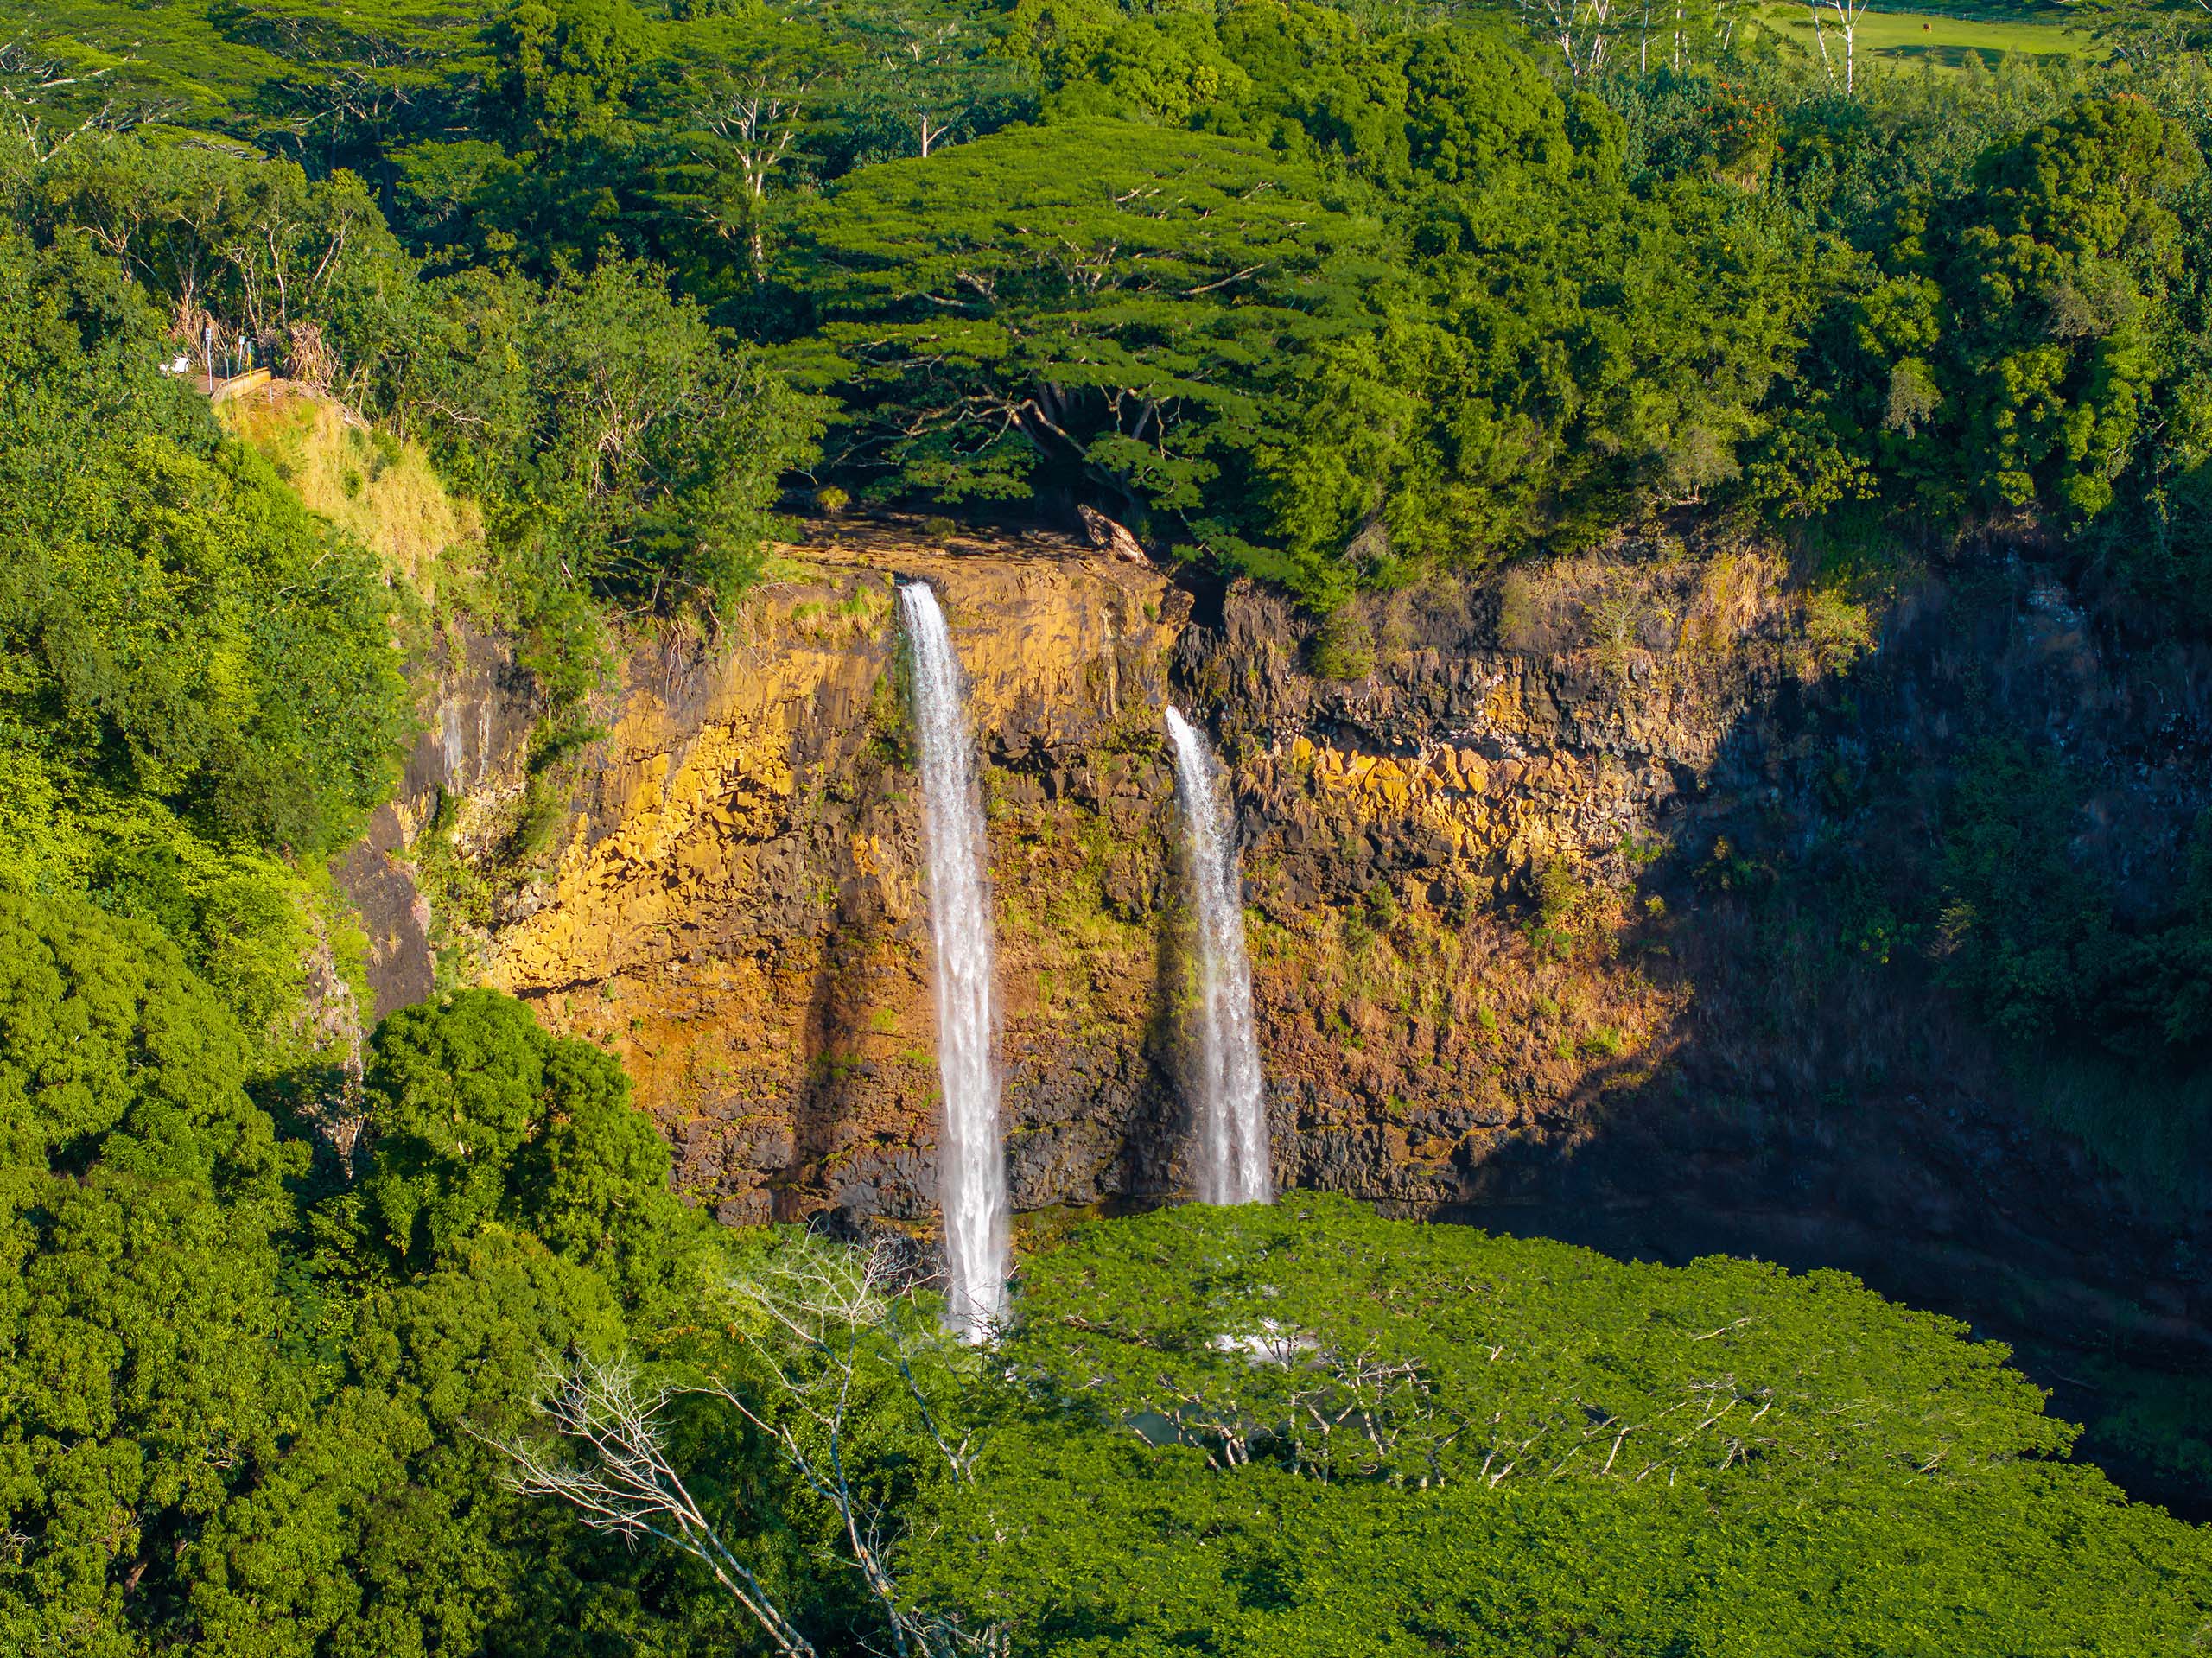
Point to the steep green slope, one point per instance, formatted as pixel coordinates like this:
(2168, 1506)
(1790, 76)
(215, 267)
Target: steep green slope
(200, 699)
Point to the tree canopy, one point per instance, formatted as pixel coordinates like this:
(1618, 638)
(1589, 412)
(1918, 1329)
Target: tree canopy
(1300, 1429)
(234, 1420)
(1337, 296)
(1112, 299)
(1329, 297)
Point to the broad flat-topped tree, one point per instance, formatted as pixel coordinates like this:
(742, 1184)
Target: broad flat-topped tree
(1122, 299)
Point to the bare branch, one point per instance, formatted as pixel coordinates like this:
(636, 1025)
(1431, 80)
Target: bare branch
(824, 1325)
(627, 1486)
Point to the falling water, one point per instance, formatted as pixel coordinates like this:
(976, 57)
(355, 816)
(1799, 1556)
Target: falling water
(1232, 1112)
(971, 1164)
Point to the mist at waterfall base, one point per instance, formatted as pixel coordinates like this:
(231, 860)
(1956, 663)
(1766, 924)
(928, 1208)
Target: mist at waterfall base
(1228, 1092)
(971, 1166)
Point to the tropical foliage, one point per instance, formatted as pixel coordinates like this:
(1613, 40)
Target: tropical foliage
(238, 1421)
(1330, 297)
(199, 693)
(315, 1346)
(1300, 1429)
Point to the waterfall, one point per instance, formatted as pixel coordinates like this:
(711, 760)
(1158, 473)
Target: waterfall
(971, 1163)
(1232, 1109)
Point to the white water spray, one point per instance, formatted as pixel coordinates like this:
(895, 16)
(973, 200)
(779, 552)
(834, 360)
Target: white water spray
(971, 1162)
(1233, 1164)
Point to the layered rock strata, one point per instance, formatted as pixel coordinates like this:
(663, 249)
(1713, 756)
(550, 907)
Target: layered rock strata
(1509, 964)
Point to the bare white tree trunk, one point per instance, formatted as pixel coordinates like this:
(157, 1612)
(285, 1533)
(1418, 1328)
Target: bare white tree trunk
(1847, 14)
(627, 1485)
(1582, 32)
(761, 121)
(827, 1324)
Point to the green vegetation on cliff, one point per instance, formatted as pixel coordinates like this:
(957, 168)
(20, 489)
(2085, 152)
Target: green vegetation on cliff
(310, 1345)
(198, 696)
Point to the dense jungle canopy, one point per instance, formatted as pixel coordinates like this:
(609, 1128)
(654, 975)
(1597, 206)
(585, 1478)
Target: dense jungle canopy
(313, 1347)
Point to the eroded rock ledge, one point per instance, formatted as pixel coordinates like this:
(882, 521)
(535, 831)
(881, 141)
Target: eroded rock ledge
(1498, 974)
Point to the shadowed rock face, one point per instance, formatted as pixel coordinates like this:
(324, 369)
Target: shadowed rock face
(373, 874)
(472, 748)
(1505, 965)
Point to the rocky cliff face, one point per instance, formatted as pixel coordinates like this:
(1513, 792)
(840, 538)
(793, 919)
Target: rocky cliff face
(1508, 965)
(733, 903)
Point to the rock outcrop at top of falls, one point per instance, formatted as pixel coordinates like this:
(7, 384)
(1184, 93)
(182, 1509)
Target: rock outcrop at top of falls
(1503, 959)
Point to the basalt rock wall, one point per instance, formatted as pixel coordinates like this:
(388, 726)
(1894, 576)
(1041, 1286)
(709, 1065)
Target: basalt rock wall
(1522, 962)
(1504, 968)
(732, 897)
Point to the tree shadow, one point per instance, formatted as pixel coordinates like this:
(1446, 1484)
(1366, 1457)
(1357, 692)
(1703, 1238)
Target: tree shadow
(1829, 1097)
(1162, 1149)
(1825, 1096)
(834, 1084)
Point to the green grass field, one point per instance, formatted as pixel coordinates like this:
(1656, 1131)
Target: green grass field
(1903, 39)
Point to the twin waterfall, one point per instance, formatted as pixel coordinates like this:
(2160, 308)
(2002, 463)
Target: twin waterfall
(1231, 1107)
(1232, 1164)
(971, 1163)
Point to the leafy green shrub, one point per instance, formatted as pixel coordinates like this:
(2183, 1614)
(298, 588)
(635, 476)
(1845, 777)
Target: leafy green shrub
(1839, 630)
(554, 742)
(1344, 645)
(1381, 903)
(1559, 894)
(476, 1116)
